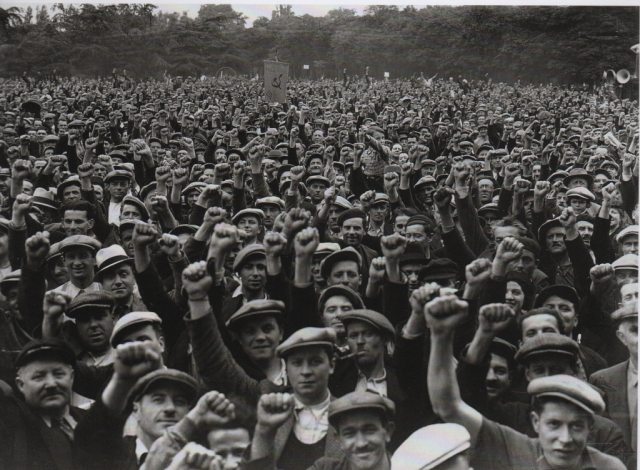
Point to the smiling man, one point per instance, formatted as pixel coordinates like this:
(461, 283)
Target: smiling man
(79, 254)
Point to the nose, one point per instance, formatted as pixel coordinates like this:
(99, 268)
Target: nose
(564, 435)
(491, 375)
(361, 442)
(169, 407)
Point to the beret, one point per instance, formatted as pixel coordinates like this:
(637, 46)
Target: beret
(545, 343)
(569, 388)
(80, 241)
(503, 348)
(629, 261)
(340, 289)
(582, 193)
(630, 230)
(346, 254)
(530, 245)
(184, 228)
(130, 319)
(376, 319)
(430, 446)
(92, 299)
(623, 313)
(246, 252)
(351, 214)
(360, 401)
(255, 212)
(305, 337)
(438, 269)
(46, 348)
(145, 382)
(562, 291)
(270, 200)
(423, 220)
(414, 253)
(257, 307)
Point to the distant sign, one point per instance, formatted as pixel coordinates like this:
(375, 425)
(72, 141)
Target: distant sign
(386, 75)
(305, 67)
(276, 75)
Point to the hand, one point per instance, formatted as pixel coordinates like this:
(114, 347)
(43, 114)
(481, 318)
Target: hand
(527, 161)
(461, 173)
(521, 186)
(214, 216)
(444, 314)
(510, 249)
(59, 160)
(256, 153)
(330, 195)
(339, 181)
(144, 234)
(274, 244)
(627, 163)
(541, 190)
(393, 246)
(91, 143)
(296, 220)
(306, 242)
(442, 198)
(85, 171)
(367, 199)
(568, 218)
(493, 318)
(170, 246)
(274, 409)
(225, 237)
(477, 272)
(196, 171)
(180, 177)
(297, 173)
(22, 205)
(193, 456)
(136, 359)
(105, 161)
(512, 170)
(55, 304)
(163, 173)
(602, 277)
(391, 182)
(608, 191)
(212, 410)
(239, 169)
(208, 195)
(377, 270)
(21, 169)
(196, 281)
(421, 296)
(406, 169)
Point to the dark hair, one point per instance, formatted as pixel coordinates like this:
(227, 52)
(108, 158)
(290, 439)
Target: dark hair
(352, 214)
(526, 285)
(542, 311)
(407, 211)
(78, 205)
(510, 221)
(538, 403)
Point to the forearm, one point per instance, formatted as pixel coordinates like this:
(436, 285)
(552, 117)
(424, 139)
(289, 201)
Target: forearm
(116, 393)
(142, 257)
(441, 377)
(479, 347)
(262, 444)
(302, 275)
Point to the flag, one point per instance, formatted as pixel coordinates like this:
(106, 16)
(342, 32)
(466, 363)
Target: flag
(276, 75)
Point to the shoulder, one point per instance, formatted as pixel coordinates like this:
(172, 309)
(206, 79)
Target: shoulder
(604, 375)
(602, 460)
(328, 463)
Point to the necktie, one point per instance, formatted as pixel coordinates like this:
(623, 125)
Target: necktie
(63, 426)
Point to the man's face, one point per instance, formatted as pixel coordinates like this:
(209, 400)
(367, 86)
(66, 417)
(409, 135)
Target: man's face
(400, 224)
(127, 241)
(578, 182)
(76, 223)
(578, 204)
(563, 429)
(500, 233)
(259, 338)
(585, 229)
(94, 329)
(416, 233)
(378, 212)
(545, 365)
(412, 270)
(498, 378)
(118, 188)
(250, 224)
(46, 384)
(334, 212)
(485, 190)
(346, 273)
(79, 262)
(629, 245)
(626, 276)
(315, 166)
(629, 294)
(566, 311)
(366, 343)
(628, 334)
(561, 199)
(70, 193)
(317, 137)
(161, 407)
(599, 182)
(555, 241)
(308, 371)
(525, 263)
(353, 232)
(59, 271)
(143, 332)
(253, 273)
(333, 307)
(229, 444)
(120, 281)
(271, 211)
(129, 211)
(364, 439)
(424, 193)
(534, 325)
(316, 192)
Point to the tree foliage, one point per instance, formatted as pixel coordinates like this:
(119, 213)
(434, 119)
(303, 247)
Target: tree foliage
(536, 44)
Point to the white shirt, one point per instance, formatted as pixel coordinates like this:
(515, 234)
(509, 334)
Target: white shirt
(375, 385)
(71, 289)
(312, 422)
(114, 212)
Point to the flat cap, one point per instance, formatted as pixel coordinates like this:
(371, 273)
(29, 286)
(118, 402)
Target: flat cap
(578, 173)
(438, 269)
(503, 348)
(276, 201)
(424, 181)
(249, 211)
(560, 290)
(545, 343)
(582, 193)
(342, 202)
(195, 186)
(629, 261)
(134, 201)
(305, 337)
(257, 307)
(164, 375)
(117, 174)
(130, 319)
(431, 446)
(360, 401)
(630, 230)
(380, 197)
(325, 249)
(318, 179)
(491, 207)
(245, 253)
(45, 348)
(346, 254)
(376, 319)
(340, 289)
(144, 192)
(627, 312)
(568, 388)
(75, 241)
(87, 300)
(12, 278)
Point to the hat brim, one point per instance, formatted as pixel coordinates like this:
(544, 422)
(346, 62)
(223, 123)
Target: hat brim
(116, 262)
(284, 352)
(564, 396)
(233, 321)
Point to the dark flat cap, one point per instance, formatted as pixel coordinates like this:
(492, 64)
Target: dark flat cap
(174, 376)
(360, 401)
(346, 254)
(88, 300)
(562, 291)
(245, 253)
(438, 269)
(306, 337)
(627, 312)
(547, 343)
(340, 289)
(257, 307)
(568, 388)
(376, 319)
(45, 348)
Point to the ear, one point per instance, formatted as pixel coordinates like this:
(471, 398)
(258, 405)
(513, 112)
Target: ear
(535, 420)
(621, 337)
(332, 364)
(390, 428)
(136, 410)
(20, 384)
(526, 374)
(161, 343)
(90, 222)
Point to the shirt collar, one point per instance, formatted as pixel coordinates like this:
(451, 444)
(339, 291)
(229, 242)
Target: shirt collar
(374, 380)
(316, 409)
(141, 449)
(65, 417)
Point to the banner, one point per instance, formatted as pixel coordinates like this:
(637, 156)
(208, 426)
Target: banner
(276, 75)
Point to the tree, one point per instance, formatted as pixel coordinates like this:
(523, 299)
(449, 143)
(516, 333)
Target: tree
(28, 15)
(42, 15)
(9, 18)
(221, 16)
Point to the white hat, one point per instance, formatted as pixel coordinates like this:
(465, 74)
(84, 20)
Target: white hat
(630, 230)
(430, 446)
(629, 261)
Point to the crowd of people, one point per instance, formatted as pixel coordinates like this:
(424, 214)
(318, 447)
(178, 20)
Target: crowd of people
(410, 274)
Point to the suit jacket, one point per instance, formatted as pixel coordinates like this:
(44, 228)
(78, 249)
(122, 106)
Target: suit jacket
(613, 382)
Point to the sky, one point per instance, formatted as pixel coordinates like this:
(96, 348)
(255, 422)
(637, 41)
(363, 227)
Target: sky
(264, 7)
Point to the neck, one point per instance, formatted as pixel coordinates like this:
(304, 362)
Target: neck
(560, 258)
(146, 439)
(271, 367)
(373, 371)
(56, 413)
(375, 224)
(82, 282)
(634, 361)
(252, 295)
(124, 301)
(315, 400)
